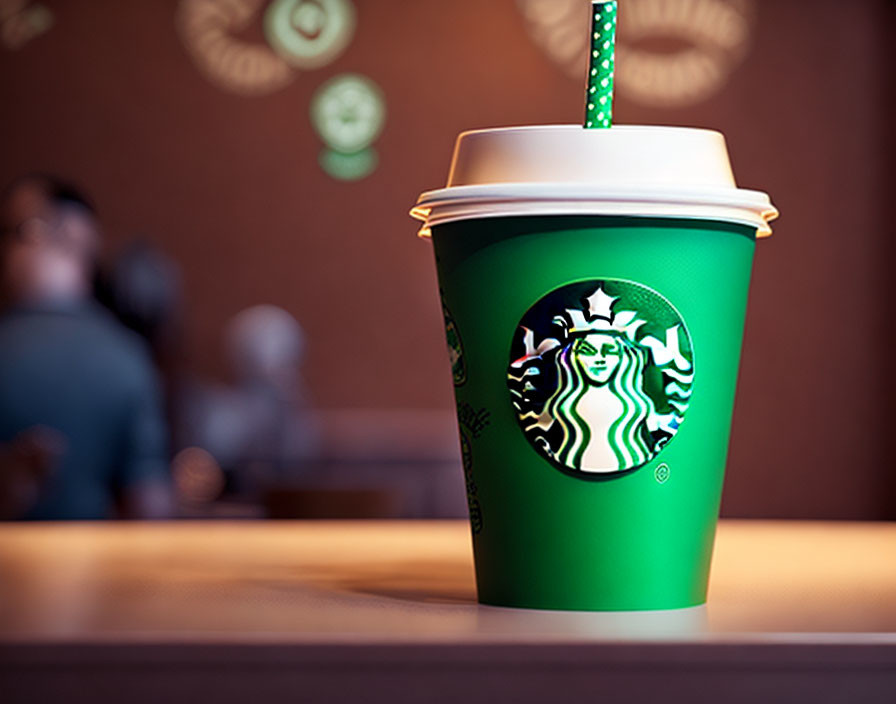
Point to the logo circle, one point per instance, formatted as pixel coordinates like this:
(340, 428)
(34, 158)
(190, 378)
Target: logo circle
(600, 375)
(309, 33)
(348, 112)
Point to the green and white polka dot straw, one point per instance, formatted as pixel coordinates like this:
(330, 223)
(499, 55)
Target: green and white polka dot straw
(599, 98)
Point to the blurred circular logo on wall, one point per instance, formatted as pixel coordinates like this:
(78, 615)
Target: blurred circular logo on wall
(669, 53)
(309, 33)
(348, 113)
(299, 34)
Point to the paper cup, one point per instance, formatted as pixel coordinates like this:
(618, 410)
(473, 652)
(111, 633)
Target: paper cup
(594, 285)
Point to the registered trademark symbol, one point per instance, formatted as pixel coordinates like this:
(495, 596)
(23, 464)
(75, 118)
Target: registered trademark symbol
(662, 473)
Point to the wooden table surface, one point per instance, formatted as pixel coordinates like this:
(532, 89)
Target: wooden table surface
(333, 607)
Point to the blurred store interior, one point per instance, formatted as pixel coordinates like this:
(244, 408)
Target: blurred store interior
(241, 173)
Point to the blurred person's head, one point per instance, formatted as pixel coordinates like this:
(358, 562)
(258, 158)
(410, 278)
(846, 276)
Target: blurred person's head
(141, 286)
(266, 345)
(49, 241)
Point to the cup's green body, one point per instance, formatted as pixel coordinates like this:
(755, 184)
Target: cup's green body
(623, 540)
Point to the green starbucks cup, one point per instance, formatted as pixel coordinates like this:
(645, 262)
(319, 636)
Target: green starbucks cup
(594, 285)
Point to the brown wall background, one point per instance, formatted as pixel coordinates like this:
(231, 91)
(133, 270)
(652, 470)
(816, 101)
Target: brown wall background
(229, 186)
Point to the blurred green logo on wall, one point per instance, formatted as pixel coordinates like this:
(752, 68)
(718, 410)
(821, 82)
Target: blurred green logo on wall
(309, 33)
(348, 112)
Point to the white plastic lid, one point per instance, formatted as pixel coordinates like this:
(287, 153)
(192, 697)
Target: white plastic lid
(677, 172)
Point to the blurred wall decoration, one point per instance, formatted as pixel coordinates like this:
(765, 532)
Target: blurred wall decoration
(669, 52)
(21, 21)
(309, 33)
(298, 35)
(348, 113)
(227, 182)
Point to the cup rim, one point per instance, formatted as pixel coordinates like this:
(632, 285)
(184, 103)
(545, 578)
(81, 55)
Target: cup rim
(738, 205)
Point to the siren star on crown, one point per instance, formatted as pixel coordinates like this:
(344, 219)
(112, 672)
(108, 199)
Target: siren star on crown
(600, 305)
(599, 316)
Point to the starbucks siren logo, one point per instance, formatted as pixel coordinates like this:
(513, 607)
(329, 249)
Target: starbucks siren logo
(600, 375)
(455, 348)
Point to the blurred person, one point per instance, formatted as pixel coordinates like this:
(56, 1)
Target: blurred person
(141, 286)
(266, 346)
(82, 434)
(260, 429)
